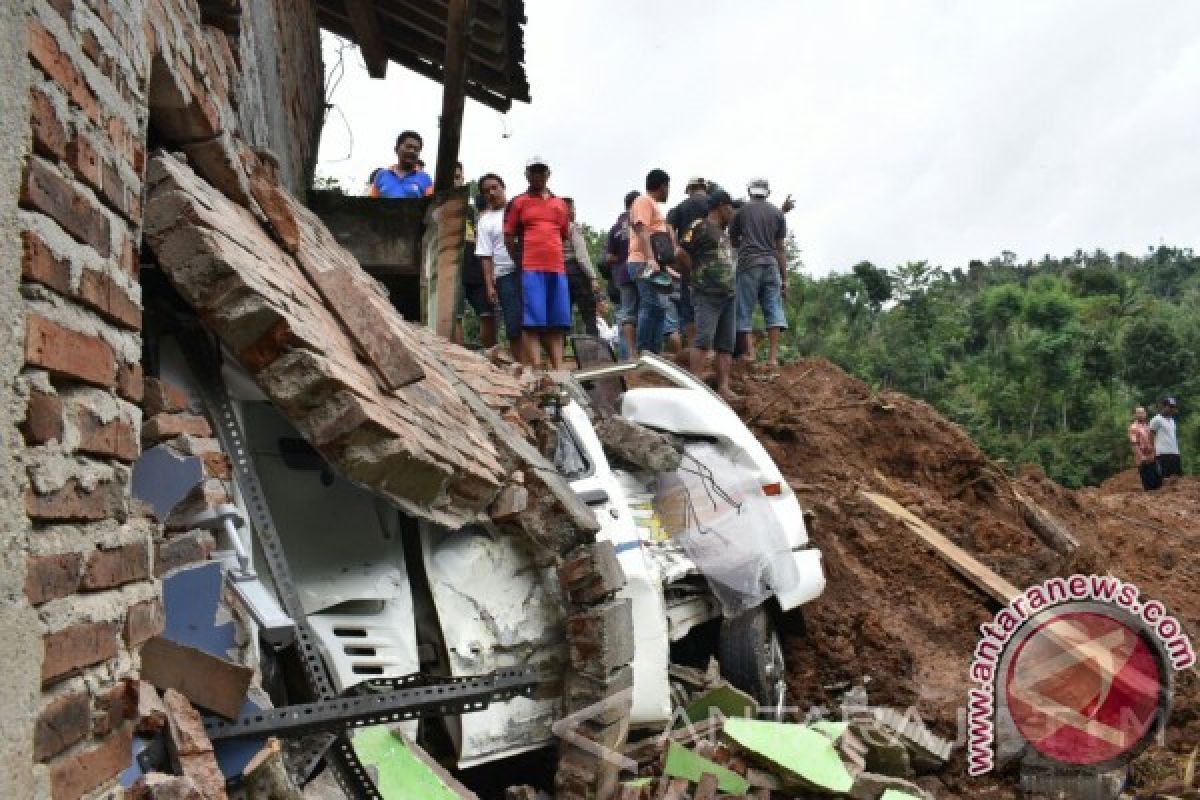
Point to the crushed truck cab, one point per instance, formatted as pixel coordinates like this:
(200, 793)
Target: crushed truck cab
(718, 544)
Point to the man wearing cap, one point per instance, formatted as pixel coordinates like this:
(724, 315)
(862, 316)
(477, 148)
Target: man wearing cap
(758, 232)
(1166, 441)
(707, 257)
(646, 218)
(535, 226)
(1141, 439)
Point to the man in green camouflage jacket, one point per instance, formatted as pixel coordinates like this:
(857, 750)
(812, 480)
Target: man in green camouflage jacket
(707, 254)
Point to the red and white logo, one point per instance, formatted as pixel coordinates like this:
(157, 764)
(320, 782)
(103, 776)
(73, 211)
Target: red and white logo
(1084, 688)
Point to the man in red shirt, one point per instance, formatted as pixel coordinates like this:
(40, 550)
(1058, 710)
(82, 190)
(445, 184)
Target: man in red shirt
(535, 226)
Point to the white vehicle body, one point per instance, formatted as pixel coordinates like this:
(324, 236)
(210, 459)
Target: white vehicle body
(492, 604)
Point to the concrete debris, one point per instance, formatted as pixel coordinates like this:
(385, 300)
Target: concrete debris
(210, 682)
(726, 752)
(629, 443)
(190, 751)
(161, 786)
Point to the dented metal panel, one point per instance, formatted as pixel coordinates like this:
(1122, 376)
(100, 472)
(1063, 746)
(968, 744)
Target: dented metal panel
(496, 608)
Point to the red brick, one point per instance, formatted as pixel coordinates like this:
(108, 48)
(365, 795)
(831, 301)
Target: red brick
(115, 438)
(126, 142)
(72, 503)
(68, 353)
(40, 264)
(167, 426)
(144, 620)
(129, 256)
(47, 191)
(116, 566)
(217, 465)
(50, 59)
(185, 726)
(150, 713)
(50, 577)
(85, 161)
(78, 646)
(95, 53)
(62, 722)
(119, 196)
(181, 550)
(43, 418)
(129, 381)
(79, 774)
(63, 7)
(102, 293)
(49, 133)
(114, 707)
(163, 396)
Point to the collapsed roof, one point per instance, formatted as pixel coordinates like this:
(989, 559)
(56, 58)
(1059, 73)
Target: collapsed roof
(389, 404)
(413, 34)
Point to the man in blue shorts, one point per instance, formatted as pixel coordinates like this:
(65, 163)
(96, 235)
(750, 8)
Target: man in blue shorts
(535, 226)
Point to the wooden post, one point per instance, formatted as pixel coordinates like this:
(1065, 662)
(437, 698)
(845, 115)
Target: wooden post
(454, 84)
(452, 218)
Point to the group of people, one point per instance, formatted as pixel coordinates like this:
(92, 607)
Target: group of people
(1156, 444)
(688, 277)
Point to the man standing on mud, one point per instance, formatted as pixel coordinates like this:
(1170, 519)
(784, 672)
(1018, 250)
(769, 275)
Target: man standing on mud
(1166, 439)
(758, 233)
(1141, 439)
(707, 257)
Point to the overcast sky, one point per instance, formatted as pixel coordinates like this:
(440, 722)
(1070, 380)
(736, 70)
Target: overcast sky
(905, 129)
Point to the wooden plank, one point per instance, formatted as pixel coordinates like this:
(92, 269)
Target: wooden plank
(209, 682)
(960, 560)
(365, 25)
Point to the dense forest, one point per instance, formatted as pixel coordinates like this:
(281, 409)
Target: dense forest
(1040, 361)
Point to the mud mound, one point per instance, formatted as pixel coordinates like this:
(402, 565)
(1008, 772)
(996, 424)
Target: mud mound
(894, 614)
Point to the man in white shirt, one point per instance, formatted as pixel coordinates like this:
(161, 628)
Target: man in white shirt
(1166, 441)
(500, 277)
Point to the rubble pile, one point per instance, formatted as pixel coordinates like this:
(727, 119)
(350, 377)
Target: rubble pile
(721, 745)
(895, 618)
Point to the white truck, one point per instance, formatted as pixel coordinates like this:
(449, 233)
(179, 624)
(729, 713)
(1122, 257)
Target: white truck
(715, 556)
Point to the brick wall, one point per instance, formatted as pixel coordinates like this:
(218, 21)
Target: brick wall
(103, 73)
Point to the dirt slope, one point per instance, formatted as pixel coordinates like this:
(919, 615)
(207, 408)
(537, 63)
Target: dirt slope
(894, 614)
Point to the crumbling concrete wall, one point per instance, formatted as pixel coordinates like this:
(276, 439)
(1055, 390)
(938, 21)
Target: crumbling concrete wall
(21, 656)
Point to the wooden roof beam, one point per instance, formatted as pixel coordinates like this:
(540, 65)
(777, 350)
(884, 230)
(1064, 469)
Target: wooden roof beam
(365, 25)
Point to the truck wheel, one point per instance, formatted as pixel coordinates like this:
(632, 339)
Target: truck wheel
(751, 656)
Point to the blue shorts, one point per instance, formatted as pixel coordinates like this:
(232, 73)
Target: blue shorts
(547, 300)
(760, 284)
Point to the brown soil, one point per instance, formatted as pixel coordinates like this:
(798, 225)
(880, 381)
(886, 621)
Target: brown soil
(894, 614)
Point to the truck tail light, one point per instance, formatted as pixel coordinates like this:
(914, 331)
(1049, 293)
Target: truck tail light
(772, 489)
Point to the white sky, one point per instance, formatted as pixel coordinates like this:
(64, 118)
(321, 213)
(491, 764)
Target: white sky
(905, 129)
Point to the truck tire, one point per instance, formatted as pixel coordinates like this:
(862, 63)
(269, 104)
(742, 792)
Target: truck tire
(750, 652)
